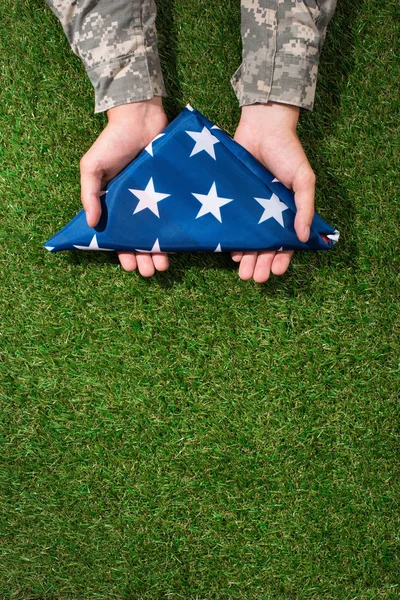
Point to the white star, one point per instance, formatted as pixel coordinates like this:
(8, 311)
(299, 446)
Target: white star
(155, 248)
(148, 198)
(149, 148)
(204, 141)
(273, 209)
(211, 203)
(94, 246)
(218, 248)
(275, 180)
(49, 248)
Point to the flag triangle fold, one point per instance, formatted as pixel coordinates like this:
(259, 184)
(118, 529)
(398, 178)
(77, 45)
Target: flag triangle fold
(198, 190)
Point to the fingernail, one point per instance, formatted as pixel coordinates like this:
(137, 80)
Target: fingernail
(306, 232)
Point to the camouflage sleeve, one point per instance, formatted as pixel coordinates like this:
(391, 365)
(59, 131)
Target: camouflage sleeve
(117, 42)
(282, 42)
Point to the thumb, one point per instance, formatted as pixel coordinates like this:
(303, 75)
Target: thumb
(304, 193)
(91, 177)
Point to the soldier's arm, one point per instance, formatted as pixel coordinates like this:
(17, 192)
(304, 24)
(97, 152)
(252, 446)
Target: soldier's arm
(282, 42)
(117, 42)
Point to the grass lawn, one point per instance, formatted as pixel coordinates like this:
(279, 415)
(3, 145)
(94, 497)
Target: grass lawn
(193, 436)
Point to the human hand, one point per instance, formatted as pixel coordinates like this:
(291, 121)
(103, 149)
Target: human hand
(131, 127)
(268, 132)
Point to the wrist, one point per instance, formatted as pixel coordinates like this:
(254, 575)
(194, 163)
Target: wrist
(136, 110)
(272, 117)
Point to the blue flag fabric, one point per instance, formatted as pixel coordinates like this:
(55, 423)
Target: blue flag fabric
(193, 189)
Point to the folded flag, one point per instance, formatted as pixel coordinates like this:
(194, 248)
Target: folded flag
(193, 189)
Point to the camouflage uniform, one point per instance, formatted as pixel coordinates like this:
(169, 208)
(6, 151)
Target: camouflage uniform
(117, 42)
(282, 42)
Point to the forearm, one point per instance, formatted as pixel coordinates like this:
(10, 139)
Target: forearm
(117, 43)
(282, 43)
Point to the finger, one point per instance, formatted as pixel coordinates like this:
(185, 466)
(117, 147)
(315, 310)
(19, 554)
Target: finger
(160, 261)
(247, 264)
(237, 256)
(304, 193)
(127, 260)
(262, 268)
(281, 262)
(145, 264)
(91, 177)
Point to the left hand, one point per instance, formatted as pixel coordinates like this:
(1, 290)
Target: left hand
(268, 132)
(130, 128)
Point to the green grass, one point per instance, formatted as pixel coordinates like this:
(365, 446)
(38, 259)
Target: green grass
(194, 436)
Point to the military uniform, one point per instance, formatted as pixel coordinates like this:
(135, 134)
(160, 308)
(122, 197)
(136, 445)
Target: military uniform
(117, 42)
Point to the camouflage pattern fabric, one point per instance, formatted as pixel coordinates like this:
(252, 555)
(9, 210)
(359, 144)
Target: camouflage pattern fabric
(117, 42)
(282, 42)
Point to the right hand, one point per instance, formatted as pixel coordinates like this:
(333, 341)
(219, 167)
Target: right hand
(131, 127)
(268, 131)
